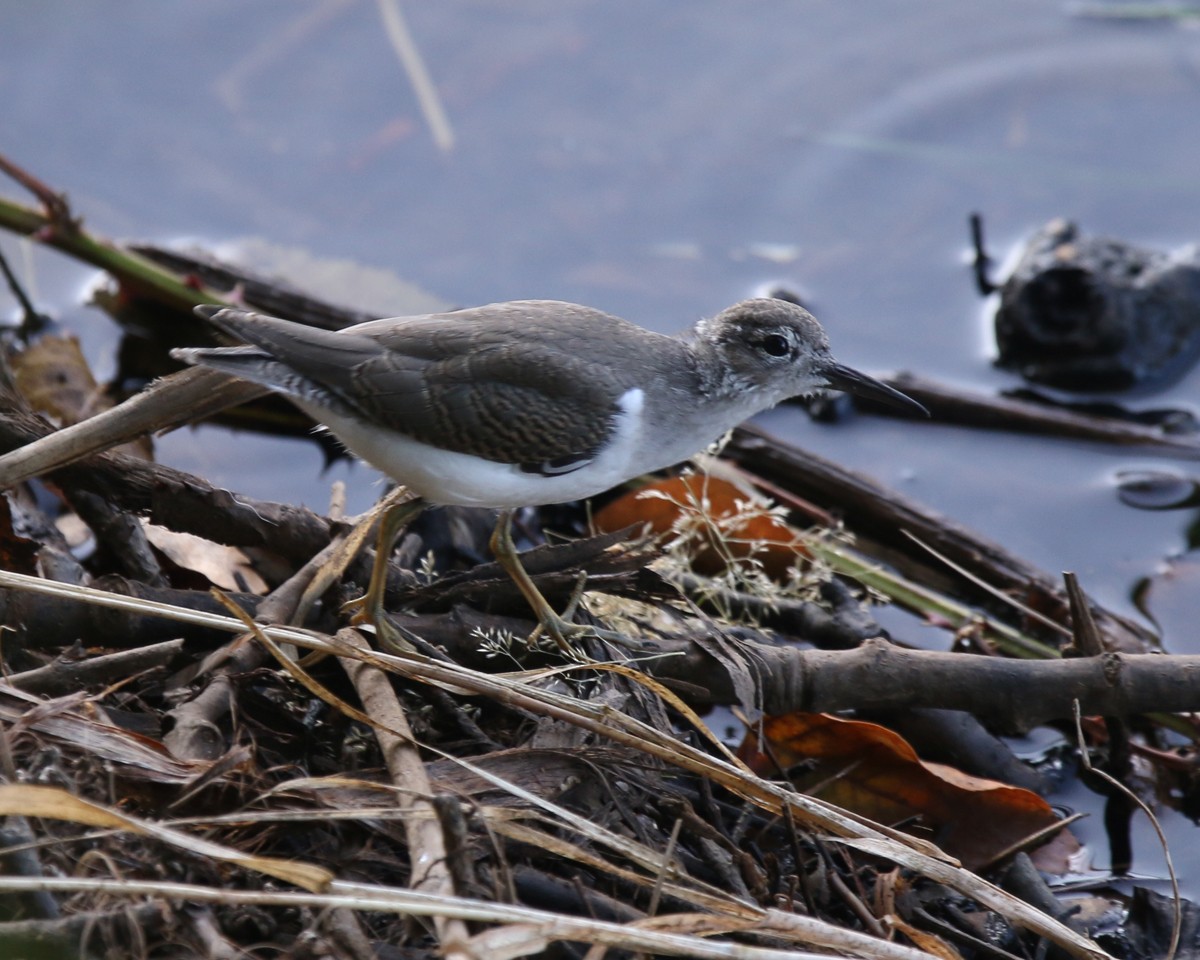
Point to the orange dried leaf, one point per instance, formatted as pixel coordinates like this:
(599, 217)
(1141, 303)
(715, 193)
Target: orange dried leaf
(872, 771)
(744, 534)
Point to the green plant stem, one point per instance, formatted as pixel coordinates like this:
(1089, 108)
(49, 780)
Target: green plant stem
(918, 599)
(130, 269)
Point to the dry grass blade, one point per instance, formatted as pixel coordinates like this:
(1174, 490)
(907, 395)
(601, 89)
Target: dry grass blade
(1000, 595)
(414, 66)
(548, 926)
(36, 801)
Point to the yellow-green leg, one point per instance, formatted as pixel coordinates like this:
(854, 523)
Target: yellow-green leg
(370, 605)
(548, 618)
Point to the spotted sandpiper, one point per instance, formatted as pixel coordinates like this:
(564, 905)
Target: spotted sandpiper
(530, 402)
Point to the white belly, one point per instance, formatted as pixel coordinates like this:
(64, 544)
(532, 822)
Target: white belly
(447, 477)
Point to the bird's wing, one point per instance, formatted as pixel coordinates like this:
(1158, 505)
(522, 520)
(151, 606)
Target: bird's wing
(499, 378)
(521, 376)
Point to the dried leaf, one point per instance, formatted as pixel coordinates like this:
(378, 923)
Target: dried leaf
(733, 531)
(871, 770)
(54, 377)
(226, 568)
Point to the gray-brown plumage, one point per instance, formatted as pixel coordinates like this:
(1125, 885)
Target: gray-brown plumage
(460, 406)
(522, 376)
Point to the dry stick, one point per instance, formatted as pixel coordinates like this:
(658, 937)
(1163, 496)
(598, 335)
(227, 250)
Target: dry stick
(195, 732)
(64, 676)
(878, 675)
(950, 405)
(426, 844)
(119, 534)
(173, 401)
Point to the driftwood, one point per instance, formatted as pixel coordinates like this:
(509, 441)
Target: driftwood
(1007, 693)
(1013, 414)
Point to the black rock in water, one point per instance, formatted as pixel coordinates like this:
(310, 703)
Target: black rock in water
(1093, 314)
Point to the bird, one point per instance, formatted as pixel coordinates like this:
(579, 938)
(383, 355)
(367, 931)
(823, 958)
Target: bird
(529, 402)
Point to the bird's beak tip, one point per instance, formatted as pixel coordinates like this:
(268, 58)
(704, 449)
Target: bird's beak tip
(859, 384)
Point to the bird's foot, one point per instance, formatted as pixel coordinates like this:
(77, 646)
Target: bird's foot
(365, 611)
(563, 632)
(562, 629)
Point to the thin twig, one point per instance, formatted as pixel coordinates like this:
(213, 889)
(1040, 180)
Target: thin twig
(426, 843)
(987, 587)
(1085, 756)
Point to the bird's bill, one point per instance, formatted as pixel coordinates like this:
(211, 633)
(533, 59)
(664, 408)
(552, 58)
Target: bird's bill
(860, 385)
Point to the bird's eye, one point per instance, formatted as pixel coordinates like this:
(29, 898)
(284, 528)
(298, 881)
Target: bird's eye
(776, 345)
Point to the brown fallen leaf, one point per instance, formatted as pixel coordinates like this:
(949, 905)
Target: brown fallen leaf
(225, 567)
(54, 377)
(874, 772)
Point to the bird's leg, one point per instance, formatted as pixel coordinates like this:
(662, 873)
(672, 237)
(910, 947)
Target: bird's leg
(370, 606)
(559, 628)
(505, 552)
